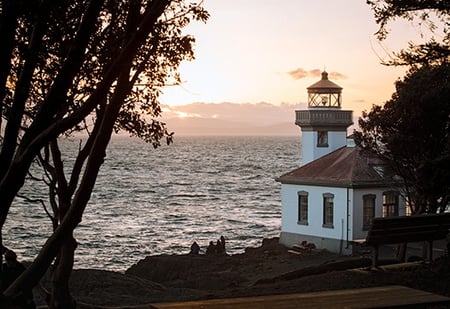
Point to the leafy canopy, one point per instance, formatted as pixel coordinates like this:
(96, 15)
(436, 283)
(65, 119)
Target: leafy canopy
(434, 15)
(67, 66)
(411, 132)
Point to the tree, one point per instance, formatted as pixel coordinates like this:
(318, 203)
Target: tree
(67, 66)
(411, 132)
(437, 49)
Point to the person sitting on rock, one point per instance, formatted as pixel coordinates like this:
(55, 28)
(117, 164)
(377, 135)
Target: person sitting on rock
(211, 248)
(222, 243)
(219, 248)
(195, 248)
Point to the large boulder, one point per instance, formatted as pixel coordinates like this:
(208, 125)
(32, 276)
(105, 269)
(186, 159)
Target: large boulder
(206, 272)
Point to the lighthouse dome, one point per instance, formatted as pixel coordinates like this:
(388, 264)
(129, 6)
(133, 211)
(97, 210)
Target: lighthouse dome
(324, 85)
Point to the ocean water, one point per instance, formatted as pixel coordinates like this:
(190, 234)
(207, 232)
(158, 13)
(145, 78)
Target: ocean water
(149, 202)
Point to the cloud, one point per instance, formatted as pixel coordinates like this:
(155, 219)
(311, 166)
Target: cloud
(315, 73)
(232, 118)
(254, 113)
(336, 75)
(300, 73)
(360, 101)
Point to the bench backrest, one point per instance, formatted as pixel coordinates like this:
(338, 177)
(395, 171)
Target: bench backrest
(392, 230)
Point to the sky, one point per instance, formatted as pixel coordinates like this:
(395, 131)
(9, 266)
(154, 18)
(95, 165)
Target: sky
(269, 51)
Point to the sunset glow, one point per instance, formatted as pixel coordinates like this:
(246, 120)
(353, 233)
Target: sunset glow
(253, 51)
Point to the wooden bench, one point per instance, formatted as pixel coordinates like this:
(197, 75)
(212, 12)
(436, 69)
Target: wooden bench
(376, 297)
(406, 229)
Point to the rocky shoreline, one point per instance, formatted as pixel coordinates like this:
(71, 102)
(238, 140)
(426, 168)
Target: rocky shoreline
(268, 269)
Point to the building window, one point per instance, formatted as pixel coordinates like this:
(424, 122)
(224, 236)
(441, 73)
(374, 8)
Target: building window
(328, 209)
(322, 138)
(390, 203)
(302, 208)
(368, 210)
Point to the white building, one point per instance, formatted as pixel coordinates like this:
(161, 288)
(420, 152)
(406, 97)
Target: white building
(331, 199)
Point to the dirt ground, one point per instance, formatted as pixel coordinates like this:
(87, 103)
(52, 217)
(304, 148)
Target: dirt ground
(269, 269)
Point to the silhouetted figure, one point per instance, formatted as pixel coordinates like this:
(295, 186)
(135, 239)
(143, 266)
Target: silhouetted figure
(219, 247)
(211, 248)
(195, 248)
(12, 269)
(222, 242)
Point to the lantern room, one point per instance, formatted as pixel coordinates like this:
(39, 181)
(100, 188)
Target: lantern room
(324, 94)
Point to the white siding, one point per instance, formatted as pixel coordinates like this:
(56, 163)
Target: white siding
(309, 139)
(289, 202)
(348, 204)
(310, 151)
(358, 232)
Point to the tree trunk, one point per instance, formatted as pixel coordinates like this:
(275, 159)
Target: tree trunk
(61, 297)
(63, 235)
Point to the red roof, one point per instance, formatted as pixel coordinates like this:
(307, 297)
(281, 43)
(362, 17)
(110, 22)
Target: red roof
(344, 167)
(324, 84)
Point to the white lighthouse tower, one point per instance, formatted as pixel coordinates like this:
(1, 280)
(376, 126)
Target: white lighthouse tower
(332, 197)
(324, 124)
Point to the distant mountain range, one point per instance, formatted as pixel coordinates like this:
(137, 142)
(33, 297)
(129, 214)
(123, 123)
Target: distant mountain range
(211, 126)
(233, 118)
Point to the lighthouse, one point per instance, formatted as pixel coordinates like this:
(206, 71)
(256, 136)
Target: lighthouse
(332, 198)
(324, 124)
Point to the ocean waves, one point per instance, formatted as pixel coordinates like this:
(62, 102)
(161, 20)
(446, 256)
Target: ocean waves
(149, 201)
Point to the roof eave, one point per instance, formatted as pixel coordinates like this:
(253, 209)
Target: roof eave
(337, 183)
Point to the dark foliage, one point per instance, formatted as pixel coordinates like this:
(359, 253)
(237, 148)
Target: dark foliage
(411, 131)
(92, 66)
(433, 14)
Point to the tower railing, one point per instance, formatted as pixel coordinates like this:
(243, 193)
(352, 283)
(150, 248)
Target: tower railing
(323, 117)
